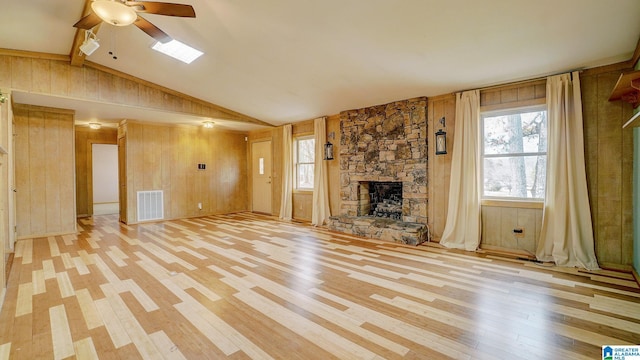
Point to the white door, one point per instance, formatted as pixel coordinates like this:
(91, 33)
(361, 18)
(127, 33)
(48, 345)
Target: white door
(261, 170)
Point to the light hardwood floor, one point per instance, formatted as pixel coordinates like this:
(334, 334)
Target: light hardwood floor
(246, 286)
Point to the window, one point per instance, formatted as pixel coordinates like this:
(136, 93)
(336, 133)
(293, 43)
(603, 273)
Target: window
(514, 153)
(304, 158)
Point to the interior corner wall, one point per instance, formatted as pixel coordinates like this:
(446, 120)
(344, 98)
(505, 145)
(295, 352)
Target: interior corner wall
(166, 157)
(439, 166)
(609, 165)
(44, 171)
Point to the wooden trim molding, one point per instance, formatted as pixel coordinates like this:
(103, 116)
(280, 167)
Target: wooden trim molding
(33, 55)
(513, 204)
(27, 107)
(635, 57)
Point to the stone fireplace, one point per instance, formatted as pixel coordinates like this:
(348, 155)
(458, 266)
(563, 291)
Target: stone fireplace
(384, 144)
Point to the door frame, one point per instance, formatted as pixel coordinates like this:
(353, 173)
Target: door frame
(250, 163)
(90, 143)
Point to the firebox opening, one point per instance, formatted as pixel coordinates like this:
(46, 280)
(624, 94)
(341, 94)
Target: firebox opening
(385, 199)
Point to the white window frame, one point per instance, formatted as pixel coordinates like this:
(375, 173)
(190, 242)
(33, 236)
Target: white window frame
(297, 163)
(509, 111)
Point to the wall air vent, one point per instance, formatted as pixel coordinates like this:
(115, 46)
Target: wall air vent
(150, 205)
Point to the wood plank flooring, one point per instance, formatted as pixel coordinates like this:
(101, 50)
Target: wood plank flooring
(246, 286)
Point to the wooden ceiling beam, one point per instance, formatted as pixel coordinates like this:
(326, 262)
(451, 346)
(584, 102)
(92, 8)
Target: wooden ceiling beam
(77, 56)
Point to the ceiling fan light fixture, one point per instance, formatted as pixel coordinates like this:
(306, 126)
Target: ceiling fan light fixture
(114, 12)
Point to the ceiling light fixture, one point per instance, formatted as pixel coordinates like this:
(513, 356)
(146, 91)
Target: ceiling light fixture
(95, 125)
(208, 124)
(90, 43)
(178, 50)
(114, 12)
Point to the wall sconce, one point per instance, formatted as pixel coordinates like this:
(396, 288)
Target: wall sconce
(208, 124)
(441, 139)
(95, 125)
(328, 147)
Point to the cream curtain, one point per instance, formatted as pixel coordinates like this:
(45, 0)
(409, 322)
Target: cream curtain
(566, 236)
(462, 230)
(286, 204)
(320, 211)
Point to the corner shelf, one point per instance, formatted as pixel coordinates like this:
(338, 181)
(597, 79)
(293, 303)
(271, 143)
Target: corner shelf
(627, 88)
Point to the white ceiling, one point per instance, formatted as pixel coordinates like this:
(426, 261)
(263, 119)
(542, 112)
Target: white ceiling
(284, 61)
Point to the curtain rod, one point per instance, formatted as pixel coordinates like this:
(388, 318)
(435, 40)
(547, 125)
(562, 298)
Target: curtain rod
(491, 87)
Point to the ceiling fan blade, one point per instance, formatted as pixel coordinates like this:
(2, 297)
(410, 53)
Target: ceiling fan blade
(88, 22)
(152, 30)
(162, 8)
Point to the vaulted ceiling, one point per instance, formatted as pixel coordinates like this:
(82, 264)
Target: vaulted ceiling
(290, 60)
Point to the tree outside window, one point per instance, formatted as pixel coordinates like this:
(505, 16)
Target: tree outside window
(304, 162)
(514, 153)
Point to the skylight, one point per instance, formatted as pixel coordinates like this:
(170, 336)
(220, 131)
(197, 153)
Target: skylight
(178, 50)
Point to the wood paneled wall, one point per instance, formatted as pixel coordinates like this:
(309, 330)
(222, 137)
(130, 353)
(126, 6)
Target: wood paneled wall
(439, 166)
(165, 157)
(498, 223)
(609, 158)
(333, 166)
(96, 83)
(44, 152)
(85, 137)
(6, 200)
(302, 201)
(526, 93)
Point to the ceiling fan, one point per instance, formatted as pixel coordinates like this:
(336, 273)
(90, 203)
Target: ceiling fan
(123, 13)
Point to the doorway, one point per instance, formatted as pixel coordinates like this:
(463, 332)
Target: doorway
(261, 179)
(104, 179)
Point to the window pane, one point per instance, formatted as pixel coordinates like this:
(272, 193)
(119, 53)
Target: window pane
(261, 166)
(306, 151)
(515, 133)
(515, 176)
(305, 176)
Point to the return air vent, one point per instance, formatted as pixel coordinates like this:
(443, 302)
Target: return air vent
(150, 205)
